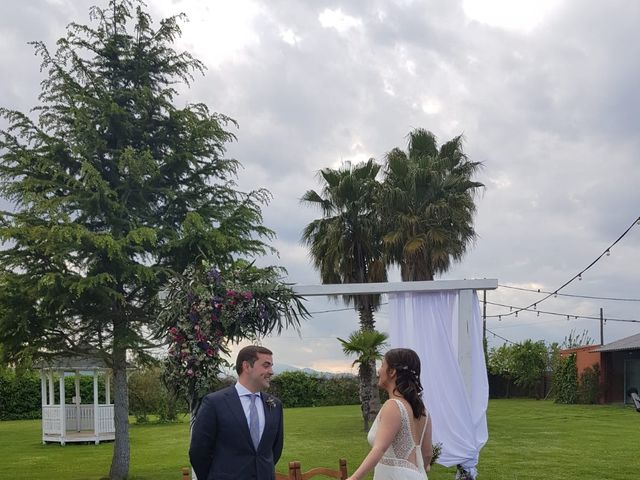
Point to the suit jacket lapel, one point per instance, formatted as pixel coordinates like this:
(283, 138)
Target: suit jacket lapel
(235, 406)
(269, 416)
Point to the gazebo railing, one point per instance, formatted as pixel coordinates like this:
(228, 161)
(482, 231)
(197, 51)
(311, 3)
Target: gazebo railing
(51, 419)
(105, 419)
(85, 414)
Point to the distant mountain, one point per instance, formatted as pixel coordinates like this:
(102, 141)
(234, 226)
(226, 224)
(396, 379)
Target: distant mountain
(285, 367)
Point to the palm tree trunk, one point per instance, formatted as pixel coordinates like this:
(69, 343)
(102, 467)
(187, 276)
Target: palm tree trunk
(368, 379)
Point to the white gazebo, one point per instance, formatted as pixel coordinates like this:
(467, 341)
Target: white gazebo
(84, 419)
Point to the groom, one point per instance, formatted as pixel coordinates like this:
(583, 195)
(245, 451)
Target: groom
(238, 432)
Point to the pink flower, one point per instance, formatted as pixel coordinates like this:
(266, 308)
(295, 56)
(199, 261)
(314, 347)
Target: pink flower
(173, 331)
(230, 293)
(190, 373)
(210, 352)
(247, 295)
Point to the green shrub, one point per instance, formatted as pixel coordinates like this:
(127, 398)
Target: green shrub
(565, 379)
(299, 389)
(20, 397)
(589, 388)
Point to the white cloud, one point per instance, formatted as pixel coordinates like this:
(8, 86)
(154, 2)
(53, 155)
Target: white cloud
(338, 20)
(289, 36)
(518, 15)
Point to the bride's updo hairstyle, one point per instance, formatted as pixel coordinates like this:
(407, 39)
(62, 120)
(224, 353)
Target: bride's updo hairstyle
(406, 363)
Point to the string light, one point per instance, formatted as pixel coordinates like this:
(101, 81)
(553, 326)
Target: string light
(555, 294)
(635, 222)
(587, 317)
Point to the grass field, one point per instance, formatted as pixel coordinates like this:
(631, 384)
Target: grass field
(528, 440)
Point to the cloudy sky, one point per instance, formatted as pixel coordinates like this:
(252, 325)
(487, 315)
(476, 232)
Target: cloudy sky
(544, 91)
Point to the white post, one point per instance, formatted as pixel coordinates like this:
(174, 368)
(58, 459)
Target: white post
(52, 397)
(107, 387)
(77, 400)
(43, 387)
(95, 407)
(43, 395)
(465, 314)
(63, 414)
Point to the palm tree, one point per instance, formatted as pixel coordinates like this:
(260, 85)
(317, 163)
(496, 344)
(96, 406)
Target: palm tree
(346, 243)
(427, 203)
(366, 345)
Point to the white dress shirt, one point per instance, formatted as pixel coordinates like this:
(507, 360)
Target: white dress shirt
(245, 400)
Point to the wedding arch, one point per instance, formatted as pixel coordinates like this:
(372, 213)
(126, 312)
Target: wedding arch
(441, 321)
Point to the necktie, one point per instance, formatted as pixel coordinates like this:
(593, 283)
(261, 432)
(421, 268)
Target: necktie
(254, 424)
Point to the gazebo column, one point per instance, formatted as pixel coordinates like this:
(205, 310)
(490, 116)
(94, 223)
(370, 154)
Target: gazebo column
(77, 400)
(43, 398)
(63, 416)
(52, 393)
(43, 387)
(107, 388)
(96, 423)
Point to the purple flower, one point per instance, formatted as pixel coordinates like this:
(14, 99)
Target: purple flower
(214, 275)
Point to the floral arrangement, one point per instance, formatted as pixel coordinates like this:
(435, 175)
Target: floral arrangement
(462, 474)
(436, 451)
(206, 309)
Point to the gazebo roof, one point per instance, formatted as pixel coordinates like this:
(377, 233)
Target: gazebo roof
(87, 361)
(627, 343)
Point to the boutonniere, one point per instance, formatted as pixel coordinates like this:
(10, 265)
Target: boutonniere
(270, 402)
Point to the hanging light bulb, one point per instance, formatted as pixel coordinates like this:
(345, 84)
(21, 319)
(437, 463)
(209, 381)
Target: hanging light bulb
(516, 314)
(579, 276)
(555, 294)
(535, 306)
(608, 252)
(499, 318)
(567, 317)
(538, 313)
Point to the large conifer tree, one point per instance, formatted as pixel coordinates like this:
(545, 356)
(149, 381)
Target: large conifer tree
(113, 189)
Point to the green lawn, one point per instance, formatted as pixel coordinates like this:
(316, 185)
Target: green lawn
(529, 439)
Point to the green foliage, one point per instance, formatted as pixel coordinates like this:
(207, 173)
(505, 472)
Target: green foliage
(148, 395)
(589, 388)
(346, 243)
(427, 205)
(366, 345)
(565, 379)
(206, 309)
(116, 189)
(574, 339)
(529, 363)
(299, 389)
(295, 389)
(19, 396)
(501, 361)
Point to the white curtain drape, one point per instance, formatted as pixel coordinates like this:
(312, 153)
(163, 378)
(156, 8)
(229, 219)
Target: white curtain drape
(428, 324)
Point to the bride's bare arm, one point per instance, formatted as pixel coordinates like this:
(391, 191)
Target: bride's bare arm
(427, 446)
(389, 423)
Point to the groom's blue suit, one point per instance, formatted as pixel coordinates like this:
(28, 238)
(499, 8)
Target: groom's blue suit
(221, 446)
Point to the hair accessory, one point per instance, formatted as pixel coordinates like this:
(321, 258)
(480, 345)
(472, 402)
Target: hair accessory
(412, 371)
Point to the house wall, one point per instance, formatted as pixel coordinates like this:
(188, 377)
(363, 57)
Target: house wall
(614, 366)
(585, 358)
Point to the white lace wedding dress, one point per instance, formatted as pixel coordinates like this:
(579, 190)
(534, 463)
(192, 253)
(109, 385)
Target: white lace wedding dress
(403, 458)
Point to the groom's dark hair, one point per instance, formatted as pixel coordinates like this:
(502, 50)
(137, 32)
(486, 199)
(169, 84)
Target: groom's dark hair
(250, 354)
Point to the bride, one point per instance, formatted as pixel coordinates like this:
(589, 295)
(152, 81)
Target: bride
(400, 436)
